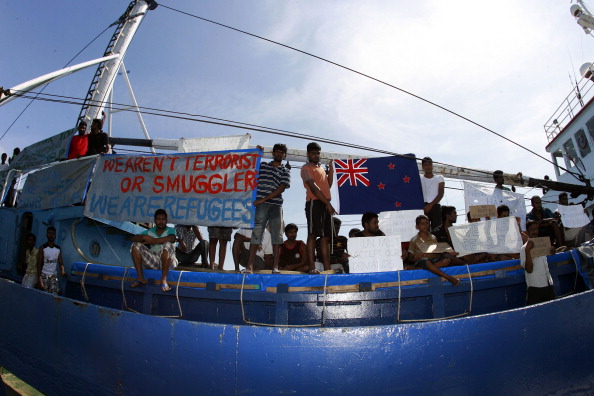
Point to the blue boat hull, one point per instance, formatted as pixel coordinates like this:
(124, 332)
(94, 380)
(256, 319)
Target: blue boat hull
(342, 300)
(62, 346)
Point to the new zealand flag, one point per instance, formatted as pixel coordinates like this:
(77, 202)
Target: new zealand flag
(378, 184)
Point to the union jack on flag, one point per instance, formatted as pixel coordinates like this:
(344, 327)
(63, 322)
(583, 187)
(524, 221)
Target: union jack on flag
(351, 171)
(378, 184)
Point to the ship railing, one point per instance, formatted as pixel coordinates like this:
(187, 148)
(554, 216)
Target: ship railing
(578, 97)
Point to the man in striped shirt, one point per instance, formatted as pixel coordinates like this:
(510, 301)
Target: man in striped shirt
(273, 179)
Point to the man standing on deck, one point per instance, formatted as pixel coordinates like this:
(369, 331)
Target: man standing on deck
(98, 141)
(498, 179)
(48, 260)
(273, 179)
(79, 144)
(433, 188)
(3, 165)
(31, 256)
(154, 248)
(318, 208)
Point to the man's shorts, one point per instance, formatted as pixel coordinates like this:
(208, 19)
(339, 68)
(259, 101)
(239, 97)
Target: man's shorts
(535, 295)
(273, 216)
(152, 260)
(222, 233)
(50, 283)
(319, 220)
(422, 263)
(29, 281)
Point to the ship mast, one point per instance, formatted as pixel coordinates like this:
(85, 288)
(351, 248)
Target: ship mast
(104, 77)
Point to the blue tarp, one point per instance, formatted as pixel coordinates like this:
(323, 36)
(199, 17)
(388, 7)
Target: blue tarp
(305, 280)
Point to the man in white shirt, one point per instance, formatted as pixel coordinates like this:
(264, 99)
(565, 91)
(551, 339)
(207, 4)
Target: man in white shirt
(538, 279)
(433, 188)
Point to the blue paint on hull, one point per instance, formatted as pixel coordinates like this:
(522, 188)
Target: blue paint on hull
(62, 346)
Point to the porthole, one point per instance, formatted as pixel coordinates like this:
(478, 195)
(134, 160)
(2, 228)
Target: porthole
(94, 248)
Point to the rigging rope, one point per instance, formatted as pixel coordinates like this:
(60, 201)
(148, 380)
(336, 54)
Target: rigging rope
(42, 88)
(230, 123)
(371, 78)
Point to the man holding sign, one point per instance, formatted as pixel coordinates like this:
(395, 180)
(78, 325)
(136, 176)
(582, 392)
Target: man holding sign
(538, 279)
(424, 252)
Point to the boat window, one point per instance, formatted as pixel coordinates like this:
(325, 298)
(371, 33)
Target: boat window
(570, 153)
(590, 127)
(582, 142)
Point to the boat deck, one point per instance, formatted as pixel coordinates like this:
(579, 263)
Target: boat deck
(317, 300)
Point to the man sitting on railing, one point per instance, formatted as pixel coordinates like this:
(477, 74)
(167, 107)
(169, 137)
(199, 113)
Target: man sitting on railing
(419, 258)
(293, 253)
(154, 249)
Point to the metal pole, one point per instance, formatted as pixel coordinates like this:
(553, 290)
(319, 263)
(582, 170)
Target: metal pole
(135, 103)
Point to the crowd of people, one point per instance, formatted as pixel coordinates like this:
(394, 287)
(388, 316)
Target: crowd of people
(10, 199)
(44, 265)
(274, 246)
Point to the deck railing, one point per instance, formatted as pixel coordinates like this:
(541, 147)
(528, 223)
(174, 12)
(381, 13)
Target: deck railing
(579, 96)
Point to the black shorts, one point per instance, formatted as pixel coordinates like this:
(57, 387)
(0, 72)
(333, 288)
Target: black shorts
(434, 216)
(535, 295)
(422, 263)
(319, 220)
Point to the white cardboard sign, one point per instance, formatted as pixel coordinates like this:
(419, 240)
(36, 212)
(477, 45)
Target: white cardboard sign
(375, 254)
(495, 236)
(480, 194)
(573, 216)
(401, 222)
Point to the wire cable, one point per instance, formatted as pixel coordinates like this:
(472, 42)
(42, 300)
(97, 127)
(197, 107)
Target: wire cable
(43, 88)
(227, 123)
(371, 78)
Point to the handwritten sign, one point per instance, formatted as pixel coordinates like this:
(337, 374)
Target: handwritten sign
(215, 188)
(480, 194)
(440, 247)
(542, 246)
(400, 223)
(45, 151)
(482, 211)
(59, 185)
(375, 254)
(496, 236)
(573, 216)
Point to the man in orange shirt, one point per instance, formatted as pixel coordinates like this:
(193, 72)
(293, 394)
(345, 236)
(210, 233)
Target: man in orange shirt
(318, 208)
(79, 143)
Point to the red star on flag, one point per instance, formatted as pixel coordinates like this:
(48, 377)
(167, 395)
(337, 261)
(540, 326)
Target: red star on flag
(381, 186)
(398, 204)
(406, 179)
(391, 166)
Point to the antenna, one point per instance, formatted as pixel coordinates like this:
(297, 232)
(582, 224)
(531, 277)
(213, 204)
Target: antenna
(583, 16)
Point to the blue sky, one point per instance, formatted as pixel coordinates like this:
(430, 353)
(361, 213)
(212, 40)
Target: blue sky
(504, 64)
